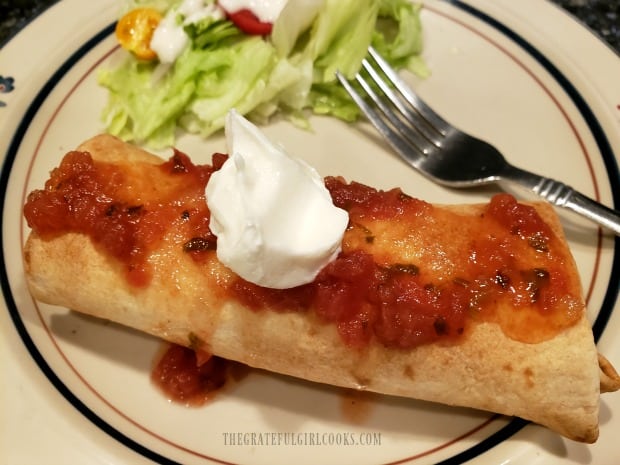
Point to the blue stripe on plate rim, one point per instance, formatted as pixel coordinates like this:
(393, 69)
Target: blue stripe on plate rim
(503, 434)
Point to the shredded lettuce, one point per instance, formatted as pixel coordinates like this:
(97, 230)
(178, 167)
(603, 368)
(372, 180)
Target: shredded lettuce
(291, 72)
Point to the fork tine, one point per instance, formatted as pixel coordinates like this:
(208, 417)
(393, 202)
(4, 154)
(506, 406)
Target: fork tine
(394, 138)
(415, 121)
(432, 118)
(398, 121)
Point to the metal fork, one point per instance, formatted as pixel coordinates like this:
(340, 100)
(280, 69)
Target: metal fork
(446, 154)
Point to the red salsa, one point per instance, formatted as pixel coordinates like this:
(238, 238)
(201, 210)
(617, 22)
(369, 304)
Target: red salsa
(409, 273)
(126, 209)
(188, 376)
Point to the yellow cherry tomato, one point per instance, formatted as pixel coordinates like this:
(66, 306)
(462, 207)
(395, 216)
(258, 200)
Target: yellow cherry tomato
(135, 30)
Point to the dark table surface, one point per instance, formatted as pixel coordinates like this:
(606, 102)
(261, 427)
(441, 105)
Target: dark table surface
(601, 16)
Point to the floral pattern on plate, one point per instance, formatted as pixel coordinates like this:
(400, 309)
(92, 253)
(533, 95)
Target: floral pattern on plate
(6, 86)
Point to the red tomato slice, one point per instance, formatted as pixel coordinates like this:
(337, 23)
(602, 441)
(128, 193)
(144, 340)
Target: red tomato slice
(249, 23)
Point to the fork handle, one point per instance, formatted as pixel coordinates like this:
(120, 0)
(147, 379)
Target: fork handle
(561, 195)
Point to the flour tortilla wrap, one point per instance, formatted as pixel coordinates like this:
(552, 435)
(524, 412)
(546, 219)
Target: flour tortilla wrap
(555, 383)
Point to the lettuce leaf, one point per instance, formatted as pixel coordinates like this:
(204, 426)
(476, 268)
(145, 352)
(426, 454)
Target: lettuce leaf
(397, 35)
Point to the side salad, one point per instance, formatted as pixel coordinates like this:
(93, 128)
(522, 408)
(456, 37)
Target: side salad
(191, 61)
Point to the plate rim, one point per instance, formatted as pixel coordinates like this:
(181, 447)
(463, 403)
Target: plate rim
(609, 159)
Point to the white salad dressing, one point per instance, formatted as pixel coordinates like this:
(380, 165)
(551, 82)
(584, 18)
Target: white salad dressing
(169, 39)
(275, 222)
(266, 11)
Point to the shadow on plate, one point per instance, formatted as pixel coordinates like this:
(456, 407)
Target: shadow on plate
(284, 403)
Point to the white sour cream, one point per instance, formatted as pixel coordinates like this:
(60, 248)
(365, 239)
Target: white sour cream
(275, 222)
(266, 11)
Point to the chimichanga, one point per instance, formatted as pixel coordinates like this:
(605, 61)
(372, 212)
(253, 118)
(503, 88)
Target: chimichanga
(471, 305)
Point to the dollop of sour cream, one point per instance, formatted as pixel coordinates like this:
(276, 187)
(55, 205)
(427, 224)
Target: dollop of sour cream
(267, 11)
(275, 222)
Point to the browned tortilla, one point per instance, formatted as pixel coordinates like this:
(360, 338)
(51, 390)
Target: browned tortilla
(555, 383)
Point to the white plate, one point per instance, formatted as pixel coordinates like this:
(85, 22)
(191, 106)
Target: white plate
(74, 390)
